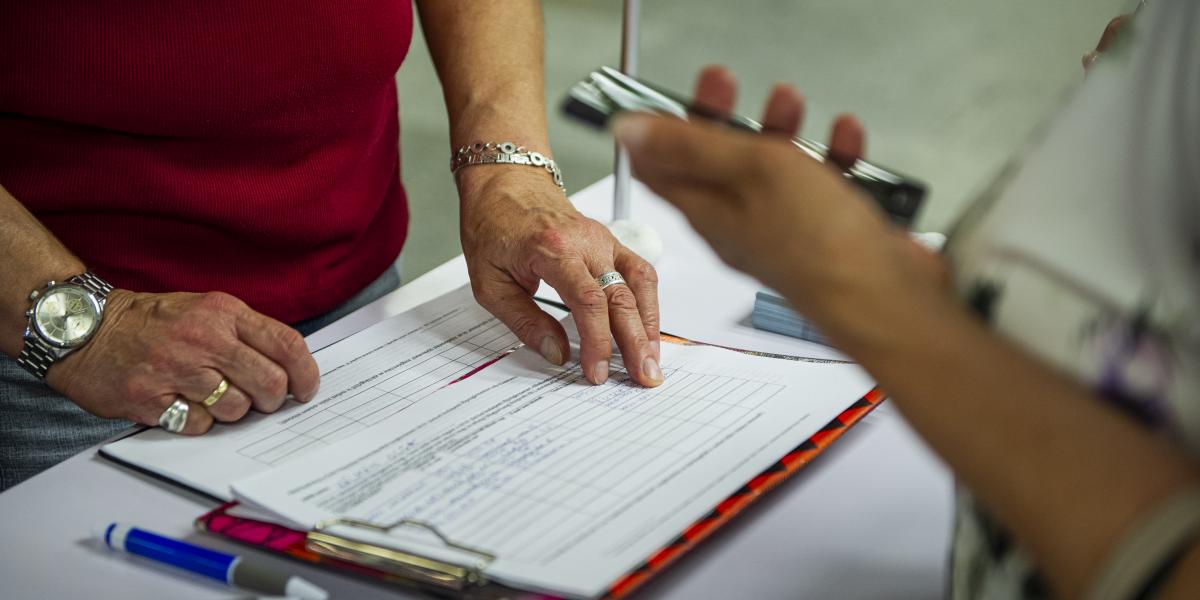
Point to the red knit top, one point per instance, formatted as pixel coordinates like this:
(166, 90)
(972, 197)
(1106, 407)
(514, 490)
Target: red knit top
(178, 145)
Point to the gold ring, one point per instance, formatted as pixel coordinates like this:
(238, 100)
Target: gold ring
(217, 393)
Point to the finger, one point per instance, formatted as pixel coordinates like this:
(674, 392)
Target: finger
(510, 303)
(847, 141)
(262, 380)
(232, 405)
(630, 334)
(285, 347)
(1110, 32)
(694, 166)
(784, 112)
(698, 153)
(643, 281)
(589, 308)
(199, 421)
(716, 92)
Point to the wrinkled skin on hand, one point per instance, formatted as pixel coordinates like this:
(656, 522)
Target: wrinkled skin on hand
(519, 229)
(154, 348)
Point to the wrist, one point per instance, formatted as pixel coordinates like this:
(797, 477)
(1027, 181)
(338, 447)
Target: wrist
(879, 296)
(60, 376)
(499, 116)
(486, 191)
(502, 154)
(18, 301)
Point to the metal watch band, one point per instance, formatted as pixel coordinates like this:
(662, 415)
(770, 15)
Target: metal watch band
(481, 153)
(90, 282)
(36, 355)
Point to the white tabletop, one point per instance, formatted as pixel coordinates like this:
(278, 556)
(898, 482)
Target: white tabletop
(869, 518)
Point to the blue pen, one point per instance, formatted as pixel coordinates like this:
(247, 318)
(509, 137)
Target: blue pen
(226, 568)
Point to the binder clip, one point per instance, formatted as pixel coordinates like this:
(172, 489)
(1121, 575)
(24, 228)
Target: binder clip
(405, 565)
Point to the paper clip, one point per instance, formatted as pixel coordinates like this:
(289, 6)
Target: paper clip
(407, 565)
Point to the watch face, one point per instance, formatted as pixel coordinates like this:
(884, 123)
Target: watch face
(66, 316)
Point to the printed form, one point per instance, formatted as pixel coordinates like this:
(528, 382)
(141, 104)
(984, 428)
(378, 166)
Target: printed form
(570, 485)
(366, 379)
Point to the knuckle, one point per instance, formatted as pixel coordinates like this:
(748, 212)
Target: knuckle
(650, 321)
(194, 331)
(231, 408)
(290, 341)
(271, 405)
(622, 299)
(552, 240)
(483, 293)
(645, 272)
(221, 302)
(273, 382)
(524, 326)
(591, 299)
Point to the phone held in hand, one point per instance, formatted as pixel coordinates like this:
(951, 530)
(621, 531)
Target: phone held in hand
(606, 92)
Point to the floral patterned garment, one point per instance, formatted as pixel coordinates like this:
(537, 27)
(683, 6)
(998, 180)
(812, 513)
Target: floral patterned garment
(1085, 254)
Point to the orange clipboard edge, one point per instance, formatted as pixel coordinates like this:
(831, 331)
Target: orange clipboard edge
(754, 489)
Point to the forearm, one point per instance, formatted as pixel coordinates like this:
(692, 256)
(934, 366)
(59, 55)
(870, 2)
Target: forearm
(488, 56)
(29, 257)
(1064, 470)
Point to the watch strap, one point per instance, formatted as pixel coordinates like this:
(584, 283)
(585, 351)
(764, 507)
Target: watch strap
(36, 356)
(90, 282)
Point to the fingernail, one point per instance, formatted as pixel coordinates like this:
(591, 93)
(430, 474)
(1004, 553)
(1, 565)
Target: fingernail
(600, 372)
(550, 351)
(630, 130)
(657, 349)
(651, 371)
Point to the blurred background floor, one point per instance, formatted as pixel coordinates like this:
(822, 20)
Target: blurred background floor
(948, 89)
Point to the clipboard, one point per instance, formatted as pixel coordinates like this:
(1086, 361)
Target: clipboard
(393, 566)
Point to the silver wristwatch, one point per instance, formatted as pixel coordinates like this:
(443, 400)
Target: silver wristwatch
(63, 317)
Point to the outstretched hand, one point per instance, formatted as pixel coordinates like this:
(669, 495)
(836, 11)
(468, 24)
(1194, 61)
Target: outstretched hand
(767, 209)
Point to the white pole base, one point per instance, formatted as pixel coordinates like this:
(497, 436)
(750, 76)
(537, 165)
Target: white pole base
(639, 237)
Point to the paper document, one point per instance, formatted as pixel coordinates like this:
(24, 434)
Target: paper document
(571, 485)
(367, 378)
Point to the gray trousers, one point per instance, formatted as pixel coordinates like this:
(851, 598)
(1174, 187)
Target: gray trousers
(40, 428)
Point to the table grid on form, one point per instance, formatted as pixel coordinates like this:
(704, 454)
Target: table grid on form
(410, 380)
(563, 461)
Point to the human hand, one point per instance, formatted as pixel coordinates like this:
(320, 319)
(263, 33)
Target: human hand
(519, 229)
(769, 210)
(1111, 31)
(153, 348)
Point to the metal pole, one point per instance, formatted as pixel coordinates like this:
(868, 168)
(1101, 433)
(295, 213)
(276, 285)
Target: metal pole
(629, 54)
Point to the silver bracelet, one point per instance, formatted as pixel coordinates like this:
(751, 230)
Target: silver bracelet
(508, 153)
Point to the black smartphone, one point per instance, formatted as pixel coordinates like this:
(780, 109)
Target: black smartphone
(607, 91)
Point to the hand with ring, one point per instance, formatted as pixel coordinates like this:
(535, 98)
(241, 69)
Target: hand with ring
(519, 229)
(174, 418)
(183, 360)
